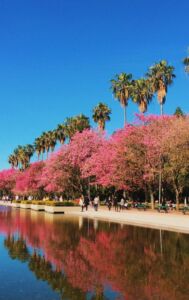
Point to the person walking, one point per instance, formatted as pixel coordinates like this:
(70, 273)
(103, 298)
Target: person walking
(116, 205)
(81, 203)
(96, 203)
(86, 202)
(122, 202)
(109, 203)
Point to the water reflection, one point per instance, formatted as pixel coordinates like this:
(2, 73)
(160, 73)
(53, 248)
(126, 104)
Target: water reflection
(85, 259)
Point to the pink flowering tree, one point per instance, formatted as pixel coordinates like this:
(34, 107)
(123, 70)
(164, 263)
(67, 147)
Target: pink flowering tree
(67, 170)
(131, 159)
(28, 181)
(7, 181)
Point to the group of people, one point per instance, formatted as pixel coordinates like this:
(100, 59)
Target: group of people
(118, 204)
(6, 198)
(84, 202)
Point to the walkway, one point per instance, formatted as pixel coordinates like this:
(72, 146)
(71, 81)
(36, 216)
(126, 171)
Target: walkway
(173, 221)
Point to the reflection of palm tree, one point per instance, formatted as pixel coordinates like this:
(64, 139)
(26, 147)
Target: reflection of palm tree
(17, 248)
(56, 279)
(42, 268)
(99, 294)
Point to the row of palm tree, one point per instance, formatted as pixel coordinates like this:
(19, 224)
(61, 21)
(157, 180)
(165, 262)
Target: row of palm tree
(141, 91)
(47, 141)
(21, 156)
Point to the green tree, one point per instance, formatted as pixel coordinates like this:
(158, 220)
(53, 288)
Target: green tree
(178, 112)
(101, 114)
(161, 76)
(121, 87)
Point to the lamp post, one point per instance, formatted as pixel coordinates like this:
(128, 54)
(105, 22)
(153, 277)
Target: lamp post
(160, 186)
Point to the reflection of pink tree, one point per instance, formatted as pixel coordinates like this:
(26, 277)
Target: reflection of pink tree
(122, 258)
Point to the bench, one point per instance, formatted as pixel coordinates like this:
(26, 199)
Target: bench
(164, 208)
(142, 206)
(185, 209)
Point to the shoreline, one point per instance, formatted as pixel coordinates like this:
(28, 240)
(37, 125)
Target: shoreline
(171, 221)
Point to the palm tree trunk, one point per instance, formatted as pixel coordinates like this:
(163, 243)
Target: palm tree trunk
(125, 115)
(161, 109)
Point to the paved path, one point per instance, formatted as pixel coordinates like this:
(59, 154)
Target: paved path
(170, 221)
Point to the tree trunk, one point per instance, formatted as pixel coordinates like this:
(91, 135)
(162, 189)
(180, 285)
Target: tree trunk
(125, 115)
(152, 198)
(161, 108)
(177, 198)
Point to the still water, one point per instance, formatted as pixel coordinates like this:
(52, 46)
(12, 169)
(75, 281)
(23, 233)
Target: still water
(55, 257)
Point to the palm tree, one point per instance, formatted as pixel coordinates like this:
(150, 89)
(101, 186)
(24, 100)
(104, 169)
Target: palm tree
(13, 161)
(76, 124)
(21, 156)
(52, 139)
(121, 87)
(38, 147)
(60, 133)
(186, 64)
(49, 140)
(29, 151)
(161, 76)
(101, 114)
(142, 93)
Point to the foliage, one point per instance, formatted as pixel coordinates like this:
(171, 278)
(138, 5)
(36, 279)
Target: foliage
(56, 203)
(161, 75)
(178, 112)
(121, 88)
(101, 114)
(141, 93)
(28, 181)
(130, 160)
(186, 64)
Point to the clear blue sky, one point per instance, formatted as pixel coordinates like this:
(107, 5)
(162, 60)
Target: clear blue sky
(57, 57)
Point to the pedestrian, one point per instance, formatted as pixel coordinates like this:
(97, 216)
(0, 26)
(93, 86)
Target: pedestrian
(81, 203)
(116, 205)
(109, 203)
(86, 202)
(122, 202)
(126, 205)
(96, 202)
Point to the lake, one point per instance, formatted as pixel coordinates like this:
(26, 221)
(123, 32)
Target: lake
(54, 257)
